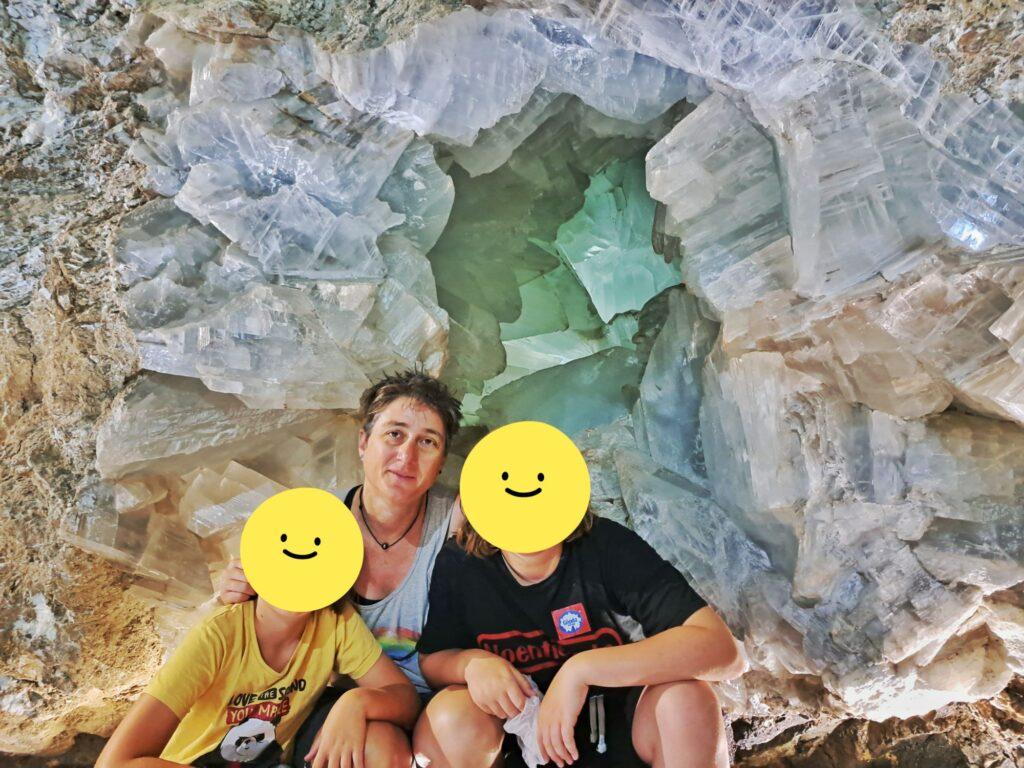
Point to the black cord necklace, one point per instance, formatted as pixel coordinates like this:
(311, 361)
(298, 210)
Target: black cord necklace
(383, 544)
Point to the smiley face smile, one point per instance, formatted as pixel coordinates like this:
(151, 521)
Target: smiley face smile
(299, 557)
(523, 494)
(316, 542)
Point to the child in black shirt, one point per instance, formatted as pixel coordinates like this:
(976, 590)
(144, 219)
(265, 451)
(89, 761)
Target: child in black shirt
(600, 610)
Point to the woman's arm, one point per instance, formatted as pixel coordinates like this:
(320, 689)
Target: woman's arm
(232, 586)
(702, 648)
(141, 737)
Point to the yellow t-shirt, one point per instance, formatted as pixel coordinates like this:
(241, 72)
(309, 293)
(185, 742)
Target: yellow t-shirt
(235, 709)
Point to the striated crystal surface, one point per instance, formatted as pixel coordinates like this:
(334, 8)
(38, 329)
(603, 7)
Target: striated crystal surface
(293, 303)
(219, 498)
(172, 424)
(666, 415)
(751, 47)
(574, 396)
(510, 212)
(715, 172)
(855, 172)
(471, 69)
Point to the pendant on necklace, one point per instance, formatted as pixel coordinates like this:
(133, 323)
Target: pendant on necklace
(385, 545)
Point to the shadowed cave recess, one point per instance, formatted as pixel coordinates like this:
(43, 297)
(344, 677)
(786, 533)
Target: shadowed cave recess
(760, 260)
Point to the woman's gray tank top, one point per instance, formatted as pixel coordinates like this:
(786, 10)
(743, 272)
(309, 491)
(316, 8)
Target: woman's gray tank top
(397, 619)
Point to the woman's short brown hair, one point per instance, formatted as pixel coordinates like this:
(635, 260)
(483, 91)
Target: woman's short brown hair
(475, 544)
(419, 386)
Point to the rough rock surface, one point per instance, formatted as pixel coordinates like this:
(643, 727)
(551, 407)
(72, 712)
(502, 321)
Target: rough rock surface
(981, 39)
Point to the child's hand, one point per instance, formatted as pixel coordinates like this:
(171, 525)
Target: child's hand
(498, 688)
(342, 738)
(556, 718)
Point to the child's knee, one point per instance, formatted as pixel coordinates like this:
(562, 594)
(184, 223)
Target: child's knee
(692, 699)
(387, 746)
(452, 718)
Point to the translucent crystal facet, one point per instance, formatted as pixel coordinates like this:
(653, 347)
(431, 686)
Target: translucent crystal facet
(607, 244)
(716, 175)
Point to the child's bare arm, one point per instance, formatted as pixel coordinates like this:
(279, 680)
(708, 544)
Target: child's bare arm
(141, 737)
(448, 667)
(702, 648)
(494, 684)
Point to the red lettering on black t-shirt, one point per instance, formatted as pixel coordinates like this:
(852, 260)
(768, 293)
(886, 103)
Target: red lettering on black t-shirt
(533, 651)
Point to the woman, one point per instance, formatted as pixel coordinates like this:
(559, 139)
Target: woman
(600, 609)
(408, 422)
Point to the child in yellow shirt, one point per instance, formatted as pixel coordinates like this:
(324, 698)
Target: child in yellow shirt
(237, 689)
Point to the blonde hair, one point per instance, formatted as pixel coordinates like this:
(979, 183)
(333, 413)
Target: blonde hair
(476, 545)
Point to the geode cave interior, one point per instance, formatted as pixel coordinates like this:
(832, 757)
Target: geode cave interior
(763, 261)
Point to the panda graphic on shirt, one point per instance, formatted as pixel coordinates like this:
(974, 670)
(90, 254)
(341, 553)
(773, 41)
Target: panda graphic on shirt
(250, 744)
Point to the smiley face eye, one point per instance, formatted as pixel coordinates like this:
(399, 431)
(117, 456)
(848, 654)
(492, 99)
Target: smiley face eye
(316, 541)
(540, 476)
(284, 537)
(504, 475)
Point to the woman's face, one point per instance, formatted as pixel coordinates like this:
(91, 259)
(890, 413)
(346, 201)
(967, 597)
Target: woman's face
(404, 451)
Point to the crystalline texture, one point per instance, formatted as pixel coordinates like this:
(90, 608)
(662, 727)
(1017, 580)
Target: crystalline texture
(607, 244)
(169, 424)
(157, 233)
(855, 172)
(850, 526)
(670, 391)
(592, 391)
(751, 47)
(296, 199)
(218, 499)
(715, 173)
(269, 347)
(470, 69)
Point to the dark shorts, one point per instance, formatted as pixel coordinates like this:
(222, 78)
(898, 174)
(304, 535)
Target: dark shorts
(619, 707)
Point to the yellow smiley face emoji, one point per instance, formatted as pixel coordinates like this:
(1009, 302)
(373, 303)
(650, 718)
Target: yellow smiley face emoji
(301, 549)
(525, 487)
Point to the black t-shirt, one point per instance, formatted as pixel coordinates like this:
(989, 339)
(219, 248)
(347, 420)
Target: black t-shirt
(610, 588)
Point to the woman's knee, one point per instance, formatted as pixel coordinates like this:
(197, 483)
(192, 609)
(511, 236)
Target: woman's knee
(387, 746)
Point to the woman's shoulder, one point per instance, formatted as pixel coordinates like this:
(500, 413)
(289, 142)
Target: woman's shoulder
(441, 497)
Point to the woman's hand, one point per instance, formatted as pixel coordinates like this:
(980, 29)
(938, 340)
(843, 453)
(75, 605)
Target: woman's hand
(496, 687)
(232, 586)
(341, 740)
(559, 710)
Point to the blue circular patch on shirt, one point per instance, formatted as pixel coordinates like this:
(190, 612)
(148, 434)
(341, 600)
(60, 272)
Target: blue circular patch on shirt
(570, 622)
